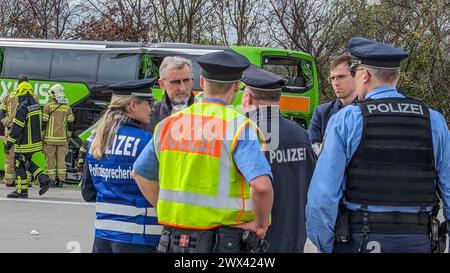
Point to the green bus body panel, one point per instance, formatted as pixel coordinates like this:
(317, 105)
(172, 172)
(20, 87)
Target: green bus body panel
(157, 93)
(255, 56)
(74, 92)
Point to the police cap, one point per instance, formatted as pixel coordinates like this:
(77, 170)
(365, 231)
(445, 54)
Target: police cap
(138, 88)
(258, 78)
(223, 66)
(375, 54)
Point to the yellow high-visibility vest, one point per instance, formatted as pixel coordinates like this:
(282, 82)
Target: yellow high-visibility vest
(200, 185)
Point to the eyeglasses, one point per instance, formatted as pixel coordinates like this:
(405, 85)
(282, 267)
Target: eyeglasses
(178, 82)
(354, 69)
(339, 77)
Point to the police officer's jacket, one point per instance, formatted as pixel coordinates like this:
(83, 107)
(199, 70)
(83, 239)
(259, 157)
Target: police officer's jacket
(292, 163)
(163, 109)
(26, 129)
(123, 213)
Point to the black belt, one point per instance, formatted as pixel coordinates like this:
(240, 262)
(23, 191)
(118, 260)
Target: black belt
(224, 239)
(391, 222)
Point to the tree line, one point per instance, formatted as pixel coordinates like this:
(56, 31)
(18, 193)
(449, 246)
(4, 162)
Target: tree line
(320, 27)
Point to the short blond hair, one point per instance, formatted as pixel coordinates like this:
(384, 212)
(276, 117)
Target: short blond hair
(217, 88)
(385, 75)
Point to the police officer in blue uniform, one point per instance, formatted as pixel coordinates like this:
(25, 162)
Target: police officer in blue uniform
(126, 221)
(344, 87)
(375, 183)
(290, 156)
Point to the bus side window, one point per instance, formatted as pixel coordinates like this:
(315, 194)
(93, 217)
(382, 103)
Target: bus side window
(307, 72)
(297, 73)
(74, 65)
(33, 62)
(117, 67)
(298, 81)
(148, 67)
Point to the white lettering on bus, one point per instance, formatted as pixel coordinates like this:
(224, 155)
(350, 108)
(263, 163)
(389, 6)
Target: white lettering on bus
(40, 90)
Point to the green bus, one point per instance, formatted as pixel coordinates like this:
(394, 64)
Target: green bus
(86, 68)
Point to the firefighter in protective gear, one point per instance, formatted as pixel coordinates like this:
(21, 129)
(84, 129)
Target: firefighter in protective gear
(26, 138)
(8, 109)
(7, 112)
(57, 126)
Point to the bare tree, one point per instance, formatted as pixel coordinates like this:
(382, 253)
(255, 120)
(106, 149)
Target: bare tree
(10, 16)
(241, 21)
(422, 29)
(47, 18)
(124, 20)
(309, 26)
(180, 20)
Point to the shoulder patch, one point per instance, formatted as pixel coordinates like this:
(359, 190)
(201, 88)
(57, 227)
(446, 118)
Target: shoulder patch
(33, 107)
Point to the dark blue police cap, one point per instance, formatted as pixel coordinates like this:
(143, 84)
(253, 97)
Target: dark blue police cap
(138, 88)
(258, 78)
(223, 66)
(375, 54)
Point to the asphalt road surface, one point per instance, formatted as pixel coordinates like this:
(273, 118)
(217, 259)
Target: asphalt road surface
(58, 222)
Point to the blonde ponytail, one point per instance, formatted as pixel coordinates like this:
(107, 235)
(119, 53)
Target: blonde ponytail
(108, 125)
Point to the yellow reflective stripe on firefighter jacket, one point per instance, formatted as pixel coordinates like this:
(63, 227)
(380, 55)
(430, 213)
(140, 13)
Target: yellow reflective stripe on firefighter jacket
(200, 185)
(26, 128)
(57, 117)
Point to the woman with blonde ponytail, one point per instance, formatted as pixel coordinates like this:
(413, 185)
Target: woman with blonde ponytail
(109, 123)
(126, 221)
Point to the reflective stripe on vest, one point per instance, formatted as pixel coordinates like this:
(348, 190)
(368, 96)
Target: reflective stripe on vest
(128, 227)
(110, 208)
(128, 211)
(205, 189)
